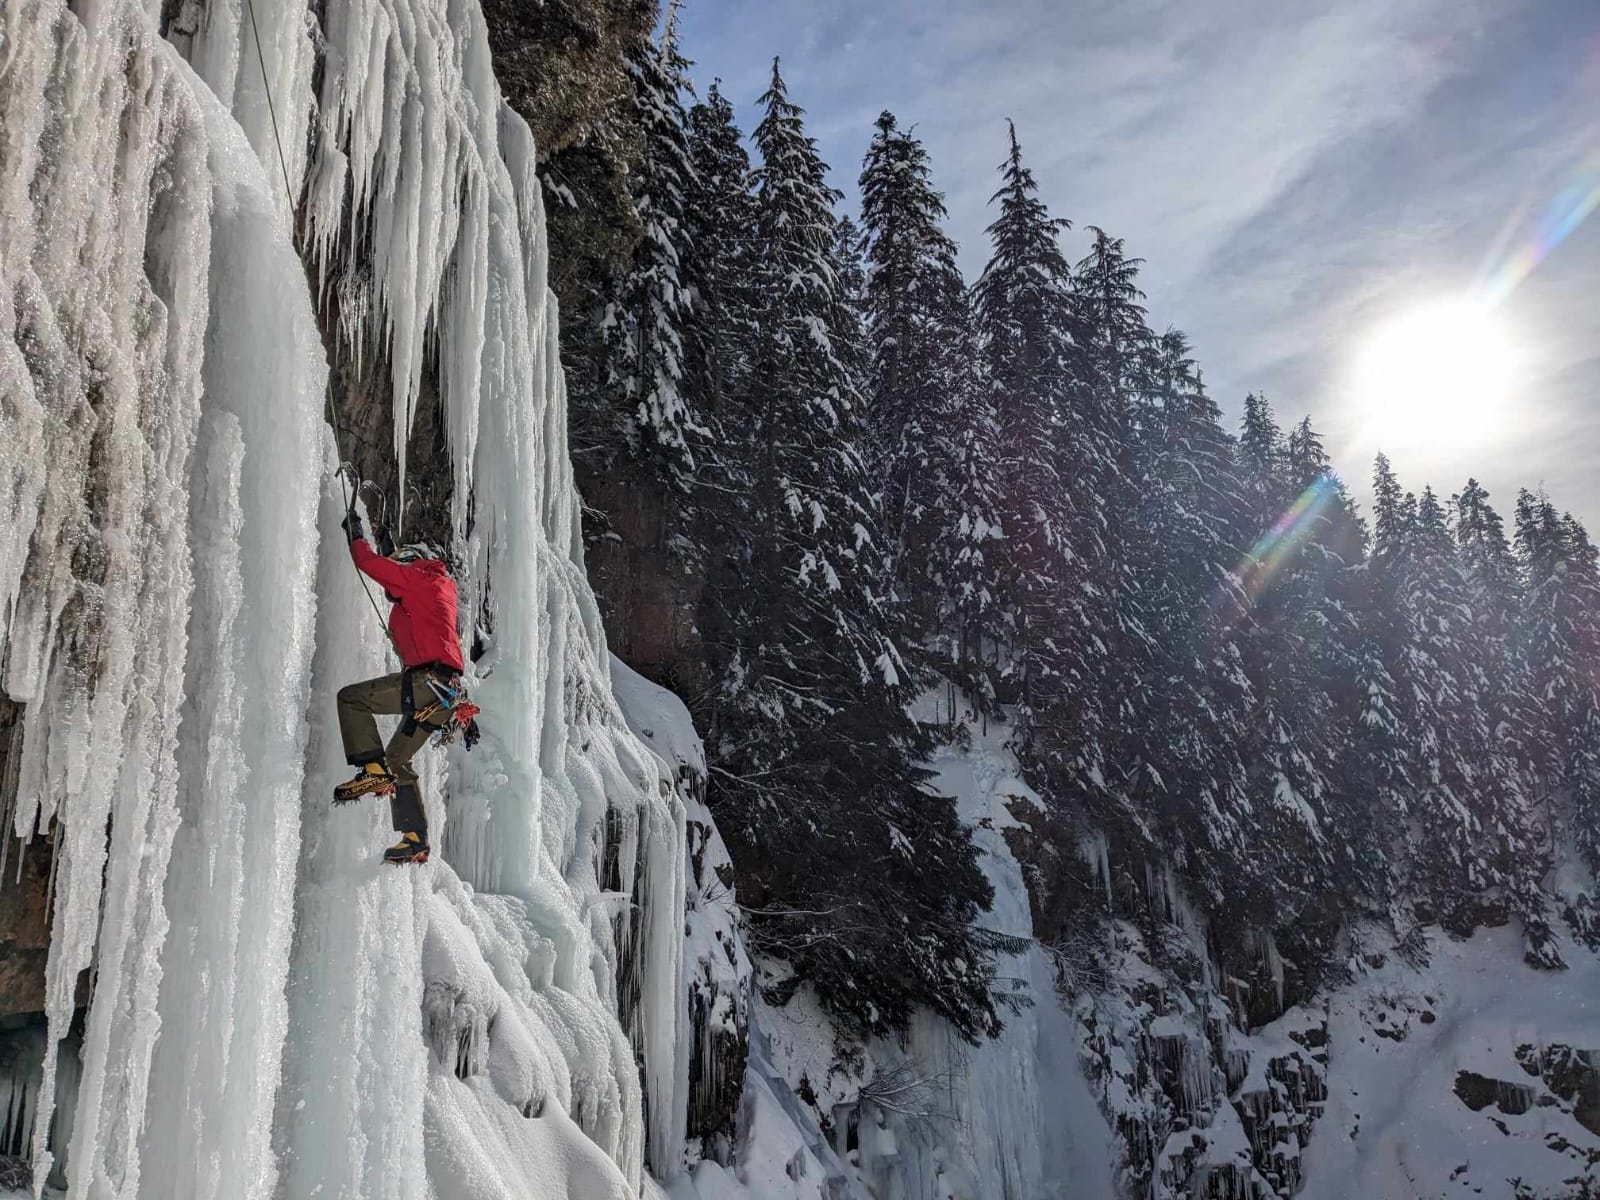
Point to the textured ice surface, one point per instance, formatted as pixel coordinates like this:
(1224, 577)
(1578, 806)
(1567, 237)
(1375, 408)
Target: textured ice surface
(178, 611)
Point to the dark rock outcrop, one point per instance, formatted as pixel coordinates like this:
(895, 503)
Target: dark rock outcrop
(559, 62)
(24, 886)
(647, 599)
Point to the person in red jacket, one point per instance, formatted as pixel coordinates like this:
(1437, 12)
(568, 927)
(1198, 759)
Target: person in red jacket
(422, 625)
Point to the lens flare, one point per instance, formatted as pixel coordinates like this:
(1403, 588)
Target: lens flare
(1568, 210)
(1278, 545)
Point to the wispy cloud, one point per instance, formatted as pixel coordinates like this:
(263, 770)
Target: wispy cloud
(1290, 172)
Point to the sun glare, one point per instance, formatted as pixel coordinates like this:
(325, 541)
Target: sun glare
(1440, 375)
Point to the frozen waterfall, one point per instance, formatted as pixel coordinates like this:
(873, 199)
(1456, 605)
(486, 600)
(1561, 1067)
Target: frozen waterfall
(178, 610)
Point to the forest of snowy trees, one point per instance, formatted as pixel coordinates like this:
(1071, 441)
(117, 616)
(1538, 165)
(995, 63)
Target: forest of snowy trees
(881, 478)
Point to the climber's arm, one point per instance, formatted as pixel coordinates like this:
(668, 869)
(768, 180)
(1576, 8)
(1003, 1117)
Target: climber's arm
(395, 577)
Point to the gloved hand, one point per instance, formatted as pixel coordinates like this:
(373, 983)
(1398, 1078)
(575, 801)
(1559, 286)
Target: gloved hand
(470, 733)
(353, 528)
(385, 541)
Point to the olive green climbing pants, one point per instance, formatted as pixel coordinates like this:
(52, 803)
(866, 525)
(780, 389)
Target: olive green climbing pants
(359, 704)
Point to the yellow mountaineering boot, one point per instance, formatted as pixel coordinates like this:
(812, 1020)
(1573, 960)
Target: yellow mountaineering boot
(371, 780)
(409, 849)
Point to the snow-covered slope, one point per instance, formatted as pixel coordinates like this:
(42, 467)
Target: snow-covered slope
(1468, 1077)
(1434, 1068)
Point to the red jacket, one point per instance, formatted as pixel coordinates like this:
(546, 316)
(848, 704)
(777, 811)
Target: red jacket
(423, 619)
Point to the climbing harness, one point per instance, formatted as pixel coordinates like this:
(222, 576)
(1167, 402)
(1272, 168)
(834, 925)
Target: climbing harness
(450, 712)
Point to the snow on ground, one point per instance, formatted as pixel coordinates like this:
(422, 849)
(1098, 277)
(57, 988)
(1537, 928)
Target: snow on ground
(1399, 1042)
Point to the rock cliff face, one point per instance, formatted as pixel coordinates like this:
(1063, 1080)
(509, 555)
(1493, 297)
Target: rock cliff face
(1204, 1103)
(647, 597)
(559, 62)
(24, 888)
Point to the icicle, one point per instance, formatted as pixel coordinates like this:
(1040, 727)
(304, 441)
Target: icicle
(1096, 851)
(163, 438)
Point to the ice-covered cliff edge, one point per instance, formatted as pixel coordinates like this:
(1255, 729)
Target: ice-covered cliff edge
(268, 1011)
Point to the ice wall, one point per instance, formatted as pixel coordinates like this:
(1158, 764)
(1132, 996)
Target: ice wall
(157, 463)
(178, 611)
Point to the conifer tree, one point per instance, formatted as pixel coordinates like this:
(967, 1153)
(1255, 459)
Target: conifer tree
(1184, 764)
(1114, 343)
(1444, 720)
(719, 261)
(865, 881)
(931, 420)
(1023, 315)
(1509, 771)
(1113, 353)
(915, 306)
(629, 383)
(1560, 643)
(1261, 453)
(966, 557)
(1298, 650)
(1378, 759)
(1466, 840)
(850, 332)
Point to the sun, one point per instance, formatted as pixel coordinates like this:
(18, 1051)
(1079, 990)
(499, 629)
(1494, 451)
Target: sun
(1440, 375)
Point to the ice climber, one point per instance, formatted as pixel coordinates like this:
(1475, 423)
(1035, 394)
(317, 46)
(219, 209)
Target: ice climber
(426, 695)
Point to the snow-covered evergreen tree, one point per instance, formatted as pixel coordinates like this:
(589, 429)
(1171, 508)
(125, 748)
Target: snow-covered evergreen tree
(915, 304)
(629, 378)
(1099, 447)
(933, 436)
(1444, 720)
(1444, 703)
(719, 259)
(1114, 343)
(1184, 774)
(1024, 316)
(1509, 772)
(1261, 452)
(966, 558)
(1297, 650)
(863, 880)
(1559, 639)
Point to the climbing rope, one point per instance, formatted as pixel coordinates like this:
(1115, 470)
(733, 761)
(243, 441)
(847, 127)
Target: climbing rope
(272, 113)
(345, 467)
(345, 472)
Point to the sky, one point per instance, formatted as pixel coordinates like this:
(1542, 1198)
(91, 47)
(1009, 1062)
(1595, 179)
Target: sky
(1297, 177)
